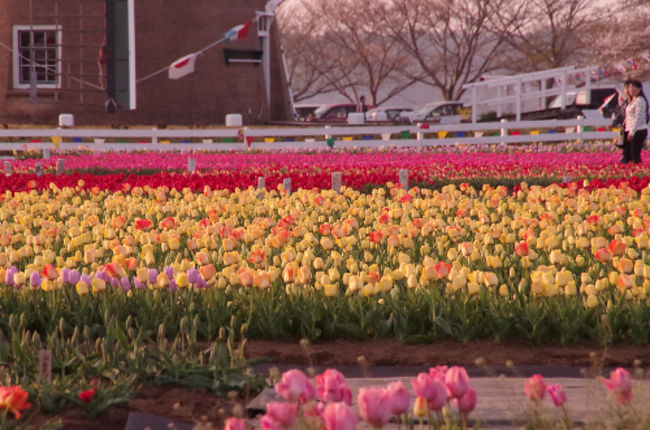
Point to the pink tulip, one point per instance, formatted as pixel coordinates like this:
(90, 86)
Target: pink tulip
(535, 388)
(374, 406)
(281, 412)
(398, 397)
(557, 395)
(439, 399)
(268, 423)
(332, 387)
(620, 384)
(467, 403)
(434, 391)
(423, 386)
(234, 424)
(295, 386)
(456, 381)
(339, 416)
(438, 373)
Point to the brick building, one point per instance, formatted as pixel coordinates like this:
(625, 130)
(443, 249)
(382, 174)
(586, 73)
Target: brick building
(50, 62)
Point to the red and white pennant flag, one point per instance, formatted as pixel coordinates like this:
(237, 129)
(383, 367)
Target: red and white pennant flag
(183, 66)
(237, 32)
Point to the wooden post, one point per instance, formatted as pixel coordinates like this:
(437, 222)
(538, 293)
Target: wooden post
(580, 128)
(404, 178)
(336, 181)
(286, 182)
(191, 164)
(60, 166)
(7, 168)
(46, 154)
(504, 131)
(38, 169)
(45, 365)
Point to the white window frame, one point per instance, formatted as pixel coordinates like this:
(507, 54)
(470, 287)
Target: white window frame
(16, 55)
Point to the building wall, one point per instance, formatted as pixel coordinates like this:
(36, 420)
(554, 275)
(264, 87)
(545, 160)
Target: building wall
(165, 31)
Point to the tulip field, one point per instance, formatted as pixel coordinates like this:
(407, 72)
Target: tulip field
(127, 262)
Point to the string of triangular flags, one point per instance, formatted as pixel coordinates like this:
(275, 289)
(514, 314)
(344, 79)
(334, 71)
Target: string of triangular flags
(623, 68)
(186, 64)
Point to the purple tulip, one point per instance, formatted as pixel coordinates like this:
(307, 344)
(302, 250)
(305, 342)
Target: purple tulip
(173, 286)
(35, 279)
(9, 275)
(65, 275)
(85, 278)
(137, 283)
(192, 275)
(73, 276)
(153, 276)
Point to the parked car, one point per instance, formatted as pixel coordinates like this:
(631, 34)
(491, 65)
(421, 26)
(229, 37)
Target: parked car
(302, 112)
(334, 112)
(386, 113)
(443, 112)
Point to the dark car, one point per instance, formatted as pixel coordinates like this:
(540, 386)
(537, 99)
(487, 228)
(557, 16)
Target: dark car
(335, 112)
(303, 112)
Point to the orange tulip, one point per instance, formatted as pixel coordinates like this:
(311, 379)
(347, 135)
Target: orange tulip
(442, 269)
(208, 271)
(50, 272)
(604, 254)
(245, 276)
(617, 247)
(168, 223)
(14, 399)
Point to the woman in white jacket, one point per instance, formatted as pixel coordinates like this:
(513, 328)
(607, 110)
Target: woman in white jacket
(636, 122)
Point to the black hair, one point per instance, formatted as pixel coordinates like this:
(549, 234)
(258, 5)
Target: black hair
(636, 83)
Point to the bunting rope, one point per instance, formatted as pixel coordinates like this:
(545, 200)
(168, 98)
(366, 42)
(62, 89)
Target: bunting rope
(225, 38)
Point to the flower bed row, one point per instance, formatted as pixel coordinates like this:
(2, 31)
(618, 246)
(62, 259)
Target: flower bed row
(317, 263)
(372, 167)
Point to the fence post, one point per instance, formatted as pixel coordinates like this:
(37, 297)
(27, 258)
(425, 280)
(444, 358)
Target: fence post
(46, 153)
(261, 187)
(327, 136)
(420, 137)
(191, 164)
(38, 169)
(336, 181)
(504, 131)
(404, 178)
(7, 168)
(286, 183)
(580, 128)
(154, 136)
(60, 166)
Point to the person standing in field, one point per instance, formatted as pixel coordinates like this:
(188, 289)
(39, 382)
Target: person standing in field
(636, 122)
(623, 101)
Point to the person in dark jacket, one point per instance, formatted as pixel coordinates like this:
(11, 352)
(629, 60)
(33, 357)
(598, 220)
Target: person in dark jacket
(619, 121)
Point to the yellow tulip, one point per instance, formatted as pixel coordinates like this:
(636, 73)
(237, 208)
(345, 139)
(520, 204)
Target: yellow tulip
(181, 280)
(473, 288)
(82, 288)
(331, 290)
(162, 281)
(97, 285)
(386, 283)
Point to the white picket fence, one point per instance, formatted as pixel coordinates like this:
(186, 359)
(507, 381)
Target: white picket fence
(307, 138)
